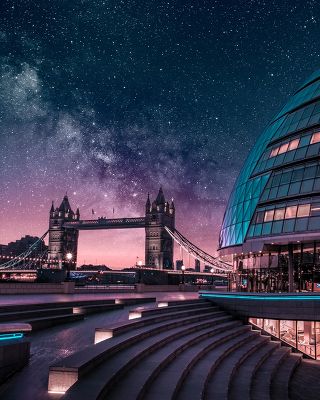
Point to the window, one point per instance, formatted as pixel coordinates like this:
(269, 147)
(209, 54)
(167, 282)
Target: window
(279, 213)
(291, 212)
(315, 138)
(315, 209)
(293, 144)
(268, 216)
(274, 152)
(303, 210)
(259, 217)
(283, 148)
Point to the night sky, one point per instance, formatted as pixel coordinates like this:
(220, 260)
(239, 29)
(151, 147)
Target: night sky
(108, 100)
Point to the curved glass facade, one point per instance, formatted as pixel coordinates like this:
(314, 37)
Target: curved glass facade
(278, 189)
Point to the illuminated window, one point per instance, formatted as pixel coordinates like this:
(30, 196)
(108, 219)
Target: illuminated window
(315, 138)
(274, 152)
(315, 209)
(259, 217)
(293, 144)
(303, 210)
(283, 148)
(291, 212)
(279, 213)
(268, 216)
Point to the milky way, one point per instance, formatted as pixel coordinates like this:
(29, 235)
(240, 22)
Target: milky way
(108, 100)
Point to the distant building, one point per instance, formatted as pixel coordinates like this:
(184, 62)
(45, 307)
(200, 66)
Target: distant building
(22, 245)
(197, 265)
(91, 267)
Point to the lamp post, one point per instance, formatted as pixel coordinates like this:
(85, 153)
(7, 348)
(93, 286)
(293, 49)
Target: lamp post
(183, 268)
(212, 271)
(69, 258)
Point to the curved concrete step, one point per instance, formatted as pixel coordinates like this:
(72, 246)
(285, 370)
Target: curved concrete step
(241, 380)
(147, 311)
(261, 382)
(112, 371)
(122, 327)
(74, 367)
(305, 382)
(47, 322)
(143, 375)
(193, 378)
(281, 380)
(219, 379)
(163, 379)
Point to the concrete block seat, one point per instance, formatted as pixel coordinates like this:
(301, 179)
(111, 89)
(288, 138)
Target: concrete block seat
(104, 377)
(31, 314)
(145, 311)
(14, 349)
(124, 336)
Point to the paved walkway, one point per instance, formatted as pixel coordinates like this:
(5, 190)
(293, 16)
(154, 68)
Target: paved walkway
(50, 345)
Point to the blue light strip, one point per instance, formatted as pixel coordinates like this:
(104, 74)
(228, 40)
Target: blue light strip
(255, 297)
(11, 336)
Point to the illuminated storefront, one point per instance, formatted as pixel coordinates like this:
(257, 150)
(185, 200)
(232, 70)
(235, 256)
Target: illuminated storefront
(302, 335)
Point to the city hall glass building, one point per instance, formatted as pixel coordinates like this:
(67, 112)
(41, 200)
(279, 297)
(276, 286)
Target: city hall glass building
(271, 225)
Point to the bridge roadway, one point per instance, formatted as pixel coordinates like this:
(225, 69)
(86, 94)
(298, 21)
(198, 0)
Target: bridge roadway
(107, 223)
(50, 345)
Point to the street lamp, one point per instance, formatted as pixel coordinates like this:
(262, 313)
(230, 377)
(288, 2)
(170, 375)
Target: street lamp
(183, 268)
(69, 258)
(212, 271)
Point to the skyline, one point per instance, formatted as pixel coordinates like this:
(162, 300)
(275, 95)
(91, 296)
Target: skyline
(109, 100)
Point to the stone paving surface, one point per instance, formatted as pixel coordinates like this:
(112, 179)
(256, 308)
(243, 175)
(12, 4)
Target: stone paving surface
(50, 345)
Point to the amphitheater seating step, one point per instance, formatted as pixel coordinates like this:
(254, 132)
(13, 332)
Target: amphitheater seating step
(240, 382)
(280, 381)
(126, 360)
(47, 322)
(305, 382)
(261, 383)
(81, 363)
(184, 353)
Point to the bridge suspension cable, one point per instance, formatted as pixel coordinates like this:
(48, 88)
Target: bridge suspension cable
(197, 253)
(14, 262)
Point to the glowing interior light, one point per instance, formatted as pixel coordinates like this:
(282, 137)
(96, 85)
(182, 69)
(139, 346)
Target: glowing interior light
(118, 301)
(134, 314)
(163, 304)
(77, 310)
(99, 336)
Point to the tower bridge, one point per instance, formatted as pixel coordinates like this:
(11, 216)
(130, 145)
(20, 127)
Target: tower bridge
(65, 224)
(160, 235)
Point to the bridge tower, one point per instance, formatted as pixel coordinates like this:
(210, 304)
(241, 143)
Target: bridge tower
(62, 240)
(159, 244)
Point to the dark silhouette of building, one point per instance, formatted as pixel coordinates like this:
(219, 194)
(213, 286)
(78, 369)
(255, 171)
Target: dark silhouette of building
(197, 265)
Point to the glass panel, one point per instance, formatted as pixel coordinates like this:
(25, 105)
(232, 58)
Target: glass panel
(307, 186)
(272, 326)
(285, 178)
(268, 216)
(306, 337)
(315, 209)
(274, 152)
(283, 190)
(293, 144)
(277, 227)
(283, 148)
(291, 212)
(301, 224)
(317, 332)
(303, 210)
(314, 223)
(315, 138)
(297, 174)
(259, 217)
(294, 188)
(279, 213)
(266, 228)
(288, 226)
(288, 332)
